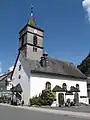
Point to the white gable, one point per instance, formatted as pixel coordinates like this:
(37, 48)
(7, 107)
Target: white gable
(22, 76)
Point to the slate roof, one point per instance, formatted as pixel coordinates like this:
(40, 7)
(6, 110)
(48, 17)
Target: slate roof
(73, 89)
(57, 67)
(57, 88)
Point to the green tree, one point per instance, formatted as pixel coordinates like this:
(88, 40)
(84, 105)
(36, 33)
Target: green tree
(84, 67)
(45, 98)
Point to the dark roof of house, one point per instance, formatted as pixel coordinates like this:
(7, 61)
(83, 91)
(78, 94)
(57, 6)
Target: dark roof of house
(57, 67)
(2, 77)
(88, 75)
(88, 80)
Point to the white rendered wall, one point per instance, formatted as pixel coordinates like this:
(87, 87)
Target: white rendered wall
(84, 100)
(38, 84)
(71, 97)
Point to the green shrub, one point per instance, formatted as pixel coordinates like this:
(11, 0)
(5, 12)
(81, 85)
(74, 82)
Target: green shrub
(46, 98)
(35, 101)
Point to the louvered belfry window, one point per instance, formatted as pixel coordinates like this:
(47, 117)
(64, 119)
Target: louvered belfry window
(35, 40)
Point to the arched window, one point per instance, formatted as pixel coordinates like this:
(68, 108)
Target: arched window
(48, 85)
(64, 86)
(77, 86)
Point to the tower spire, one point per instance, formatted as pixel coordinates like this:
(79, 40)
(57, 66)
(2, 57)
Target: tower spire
(31, 20)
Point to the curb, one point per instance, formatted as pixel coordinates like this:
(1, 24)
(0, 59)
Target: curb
(57, 112)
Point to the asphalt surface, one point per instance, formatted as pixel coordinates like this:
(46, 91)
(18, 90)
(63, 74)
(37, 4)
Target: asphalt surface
(9, 113)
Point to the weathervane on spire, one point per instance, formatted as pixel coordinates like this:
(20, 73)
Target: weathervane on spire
(31, 10)
(31, 20)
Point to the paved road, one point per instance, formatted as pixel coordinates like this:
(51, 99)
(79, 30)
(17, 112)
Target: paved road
(85, 109)
(9, 113)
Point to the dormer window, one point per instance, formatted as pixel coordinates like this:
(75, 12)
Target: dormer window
(35, 40)
(64, 86)
(77, 86)
(48, 86)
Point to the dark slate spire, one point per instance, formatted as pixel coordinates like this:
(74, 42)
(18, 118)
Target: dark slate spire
(31, 20)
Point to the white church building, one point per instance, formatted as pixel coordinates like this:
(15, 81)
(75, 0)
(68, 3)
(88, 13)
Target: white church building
(34, 70)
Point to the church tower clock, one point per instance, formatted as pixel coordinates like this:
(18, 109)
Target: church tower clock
(31, 39)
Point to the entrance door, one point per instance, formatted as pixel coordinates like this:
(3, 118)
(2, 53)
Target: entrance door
(76, 98)
(60, 99)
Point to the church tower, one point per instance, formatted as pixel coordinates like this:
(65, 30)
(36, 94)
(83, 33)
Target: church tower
(31, 39)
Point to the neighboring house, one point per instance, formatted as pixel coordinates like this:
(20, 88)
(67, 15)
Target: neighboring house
(84, 67)
(88, 88)
(5, 86)
(35, 71)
